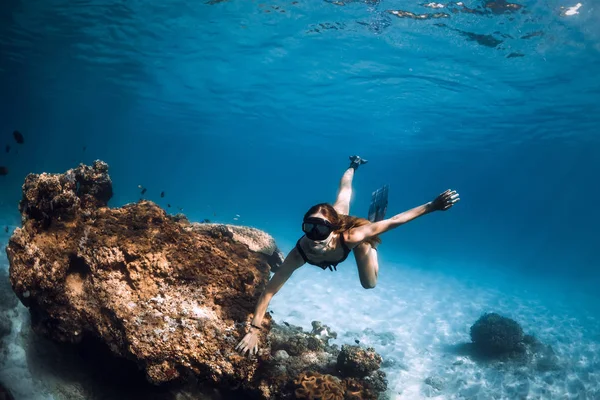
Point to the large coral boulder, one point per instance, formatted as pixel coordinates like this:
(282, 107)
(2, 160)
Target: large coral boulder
(173, 299)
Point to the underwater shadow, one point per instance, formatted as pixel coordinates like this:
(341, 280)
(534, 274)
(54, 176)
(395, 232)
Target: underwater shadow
(90, 371)
(87, 370)
(468, 349)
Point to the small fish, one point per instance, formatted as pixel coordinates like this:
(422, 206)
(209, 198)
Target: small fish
(18, 137)
(84, 147)
(286, 324)
(356, 341)
(162, 194)
(180, 208)
(168, 205)
(6, 229)
(3, 171)
(144, 191)
(8, 148)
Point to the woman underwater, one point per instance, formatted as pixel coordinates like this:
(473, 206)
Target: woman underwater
(330, 235)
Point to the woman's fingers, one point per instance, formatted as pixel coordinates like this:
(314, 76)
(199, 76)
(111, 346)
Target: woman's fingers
(248, 344)
(242, 347)
(450, 202)
(450, 196)
(241, 344)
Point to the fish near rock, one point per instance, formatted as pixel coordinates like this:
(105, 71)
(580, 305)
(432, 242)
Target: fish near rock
(18, 137)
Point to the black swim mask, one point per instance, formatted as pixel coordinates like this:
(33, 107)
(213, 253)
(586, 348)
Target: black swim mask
(317, 228)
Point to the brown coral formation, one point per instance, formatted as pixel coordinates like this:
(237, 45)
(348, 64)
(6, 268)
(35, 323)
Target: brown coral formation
(172, 300)
(312, 385)
(354, 390)
(307, 359)
(358, 362)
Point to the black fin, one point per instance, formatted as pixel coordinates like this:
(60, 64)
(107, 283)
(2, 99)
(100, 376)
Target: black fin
(379, 202)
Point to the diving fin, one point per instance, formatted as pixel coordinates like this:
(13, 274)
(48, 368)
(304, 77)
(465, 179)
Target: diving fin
(356, 161)
(379, 202)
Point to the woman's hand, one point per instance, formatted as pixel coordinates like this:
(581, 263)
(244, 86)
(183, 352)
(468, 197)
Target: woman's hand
(445, 200)
(249, 343)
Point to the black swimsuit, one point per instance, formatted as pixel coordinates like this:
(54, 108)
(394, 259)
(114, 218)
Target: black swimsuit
(325, 264)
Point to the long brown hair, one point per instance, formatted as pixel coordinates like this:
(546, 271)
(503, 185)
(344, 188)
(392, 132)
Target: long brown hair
(341, 222)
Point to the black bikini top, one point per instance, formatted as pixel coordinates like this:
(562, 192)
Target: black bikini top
(325, 264)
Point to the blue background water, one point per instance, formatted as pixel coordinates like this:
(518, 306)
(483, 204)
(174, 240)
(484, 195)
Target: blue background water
(231, 109)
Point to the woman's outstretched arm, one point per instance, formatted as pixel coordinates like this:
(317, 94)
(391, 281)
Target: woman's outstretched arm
(441, 203)
(292, 262)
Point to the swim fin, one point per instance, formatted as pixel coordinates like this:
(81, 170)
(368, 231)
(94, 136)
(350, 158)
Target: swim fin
(379, 202)
(356, 161)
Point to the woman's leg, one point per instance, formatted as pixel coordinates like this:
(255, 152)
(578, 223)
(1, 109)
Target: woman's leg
(342, 202)
(368, 264)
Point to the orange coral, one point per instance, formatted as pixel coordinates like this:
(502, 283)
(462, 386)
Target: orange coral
(316, 386)
(354, 390)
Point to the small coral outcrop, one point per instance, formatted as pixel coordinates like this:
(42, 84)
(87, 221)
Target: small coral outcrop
(498, 338)
(61, 197)
(312, 385)
(354, 361)
(495, 335)
(316, 386)
(310, 361)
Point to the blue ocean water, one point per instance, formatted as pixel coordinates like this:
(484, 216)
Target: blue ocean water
(252, 109)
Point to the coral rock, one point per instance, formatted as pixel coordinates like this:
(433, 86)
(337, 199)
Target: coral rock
(304, 357)
(495, 335)
(172, 300)
(354, 361)
(312, 385)
(323, 332)
(255, 239)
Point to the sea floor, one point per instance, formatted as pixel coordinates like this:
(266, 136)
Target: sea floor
(418, 319)
(415, 318)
